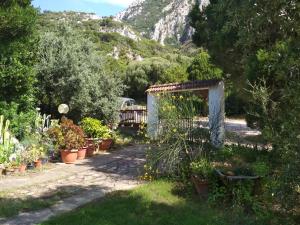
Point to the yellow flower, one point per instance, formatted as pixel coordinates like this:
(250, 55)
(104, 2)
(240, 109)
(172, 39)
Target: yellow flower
(181, 97)
(174, 130)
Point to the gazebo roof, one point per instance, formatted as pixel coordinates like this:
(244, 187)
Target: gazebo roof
(187, 86)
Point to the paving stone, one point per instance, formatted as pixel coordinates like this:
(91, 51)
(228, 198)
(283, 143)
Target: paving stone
(94, 177)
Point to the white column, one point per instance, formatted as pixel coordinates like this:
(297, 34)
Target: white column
(217, 114)
(152, 114)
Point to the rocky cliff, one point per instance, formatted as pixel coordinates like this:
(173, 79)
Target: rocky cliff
(165, 21)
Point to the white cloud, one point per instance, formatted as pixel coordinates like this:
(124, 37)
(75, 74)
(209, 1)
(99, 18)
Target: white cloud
(124, 3)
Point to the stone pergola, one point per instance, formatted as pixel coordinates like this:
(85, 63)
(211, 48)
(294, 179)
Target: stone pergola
(213, 90)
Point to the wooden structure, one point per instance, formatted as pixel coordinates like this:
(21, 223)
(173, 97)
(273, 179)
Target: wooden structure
(212, 90)
(133, 117)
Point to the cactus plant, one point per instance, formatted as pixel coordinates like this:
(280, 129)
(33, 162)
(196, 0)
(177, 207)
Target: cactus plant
(5, 140)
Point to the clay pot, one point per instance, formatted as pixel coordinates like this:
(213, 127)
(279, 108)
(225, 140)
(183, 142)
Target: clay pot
(200, 185)
(89, 141)
(105, 144)
(81, 153)
(69, 156)
(22, 168)
(90, 150)
(38, 164)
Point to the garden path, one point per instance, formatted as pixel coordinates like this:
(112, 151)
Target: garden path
(94, 177)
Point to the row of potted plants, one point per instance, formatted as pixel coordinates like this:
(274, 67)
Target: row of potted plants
(77, 142)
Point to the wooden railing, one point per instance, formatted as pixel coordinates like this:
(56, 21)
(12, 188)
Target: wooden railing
(133, 117)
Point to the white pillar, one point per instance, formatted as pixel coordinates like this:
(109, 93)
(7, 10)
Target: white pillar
(152, 114)
(217, 114)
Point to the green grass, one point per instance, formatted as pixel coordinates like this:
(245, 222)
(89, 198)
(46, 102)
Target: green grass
(10, 207)
(152, 204)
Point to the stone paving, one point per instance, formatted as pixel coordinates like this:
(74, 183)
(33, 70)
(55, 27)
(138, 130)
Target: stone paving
(94, 177)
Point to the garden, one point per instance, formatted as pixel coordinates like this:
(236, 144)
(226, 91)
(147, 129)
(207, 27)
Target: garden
(52, 141)
(63, 161)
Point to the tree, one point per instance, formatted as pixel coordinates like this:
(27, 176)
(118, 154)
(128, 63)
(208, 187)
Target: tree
(140, 75)
(258, 41)
(202, 69)
(71, 71)
(175, 73)
(17, 52)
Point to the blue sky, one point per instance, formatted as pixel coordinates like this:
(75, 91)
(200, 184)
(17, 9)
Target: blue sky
(100, 7)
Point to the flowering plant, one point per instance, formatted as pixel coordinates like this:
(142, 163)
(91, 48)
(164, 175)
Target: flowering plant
(67, 136)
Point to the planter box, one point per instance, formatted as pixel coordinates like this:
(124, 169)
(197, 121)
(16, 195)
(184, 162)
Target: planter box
(227, 179)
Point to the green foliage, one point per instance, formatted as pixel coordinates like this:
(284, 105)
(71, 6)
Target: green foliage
(202, 168)
(256, 40)
(22, 122)
(168, 68)
(174, 150)
(71, 71)
(93, 128)
(158, 203)
(17, 56)
(175, 73)
(140, 75)
(202, 69)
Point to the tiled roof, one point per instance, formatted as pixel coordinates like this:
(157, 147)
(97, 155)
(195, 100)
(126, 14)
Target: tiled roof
(192, 85)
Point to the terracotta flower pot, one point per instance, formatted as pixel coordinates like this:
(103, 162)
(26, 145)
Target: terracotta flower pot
(69, 156)
(90, 150)
(201, 186)
(89, 141)
(106, 144)
(81, 153)
(38, 164)
(22, 168)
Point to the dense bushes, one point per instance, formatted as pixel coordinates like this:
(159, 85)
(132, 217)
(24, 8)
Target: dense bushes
(263, 48)
(70, 71)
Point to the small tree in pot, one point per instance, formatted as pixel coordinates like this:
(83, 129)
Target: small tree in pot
(68, 138)
(201, 171)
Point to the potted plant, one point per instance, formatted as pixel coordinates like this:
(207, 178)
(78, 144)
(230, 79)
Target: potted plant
(201, 171)
(24, 159)
(92, 129)
(34, 152)
(68, 138)
(106, 139)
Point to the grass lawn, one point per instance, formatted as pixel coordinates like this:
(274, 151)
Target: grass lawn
(12, 206)
(152, 204)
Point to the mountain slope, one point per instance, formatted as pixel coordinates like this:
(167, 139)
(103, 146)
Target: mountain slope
(111, 37)
(165, 21)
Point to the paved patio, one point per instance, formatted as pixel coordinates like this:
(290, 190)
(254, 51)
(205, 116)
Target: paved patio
(94, 177)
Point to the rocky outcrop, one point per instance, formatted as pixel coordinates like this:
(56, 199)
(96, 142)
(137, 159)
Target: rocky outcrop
(165, 21)
(124, 30)
(133, 10)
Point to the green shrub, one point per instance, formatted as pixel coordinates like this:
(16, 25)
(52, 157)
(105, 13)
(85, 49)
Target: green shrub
(202, 168)
(93, 128)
